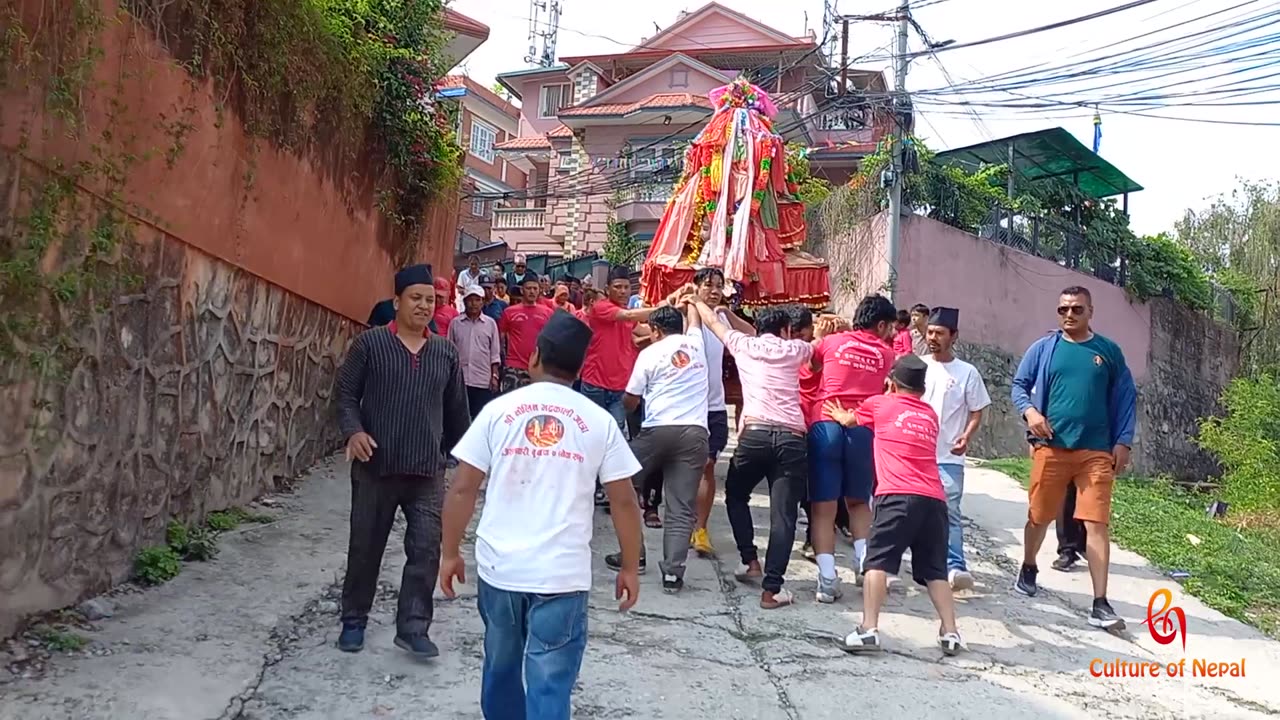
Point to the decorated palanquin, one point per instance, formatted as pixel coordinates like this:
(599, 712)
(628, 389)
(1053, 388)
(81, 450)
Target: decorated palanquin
(735, 209)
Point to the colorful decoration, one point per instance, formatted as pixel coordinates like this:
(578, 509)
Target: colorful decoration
(733, 209)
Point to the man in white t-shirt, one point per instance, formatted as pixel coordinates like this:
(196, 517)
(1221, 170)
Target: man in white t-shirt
(709, 289)
(670, 376)
(955, 391)
(542, 448)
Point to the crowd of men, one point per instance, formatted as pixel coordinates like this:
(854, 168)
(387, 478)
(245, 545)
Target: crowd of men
(863, 422)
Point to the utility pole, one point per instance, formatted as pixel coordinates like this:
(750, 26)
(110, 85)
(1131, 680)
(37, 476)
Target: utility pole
(899, 104)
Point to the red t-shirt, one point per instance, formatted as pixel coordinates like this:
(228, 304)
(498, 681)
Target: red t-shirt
(611, 355)
(902, 343)
(906, 445)
(444, 315)
(547, 302)
(521, 324)
(854, 366)
(810, 386)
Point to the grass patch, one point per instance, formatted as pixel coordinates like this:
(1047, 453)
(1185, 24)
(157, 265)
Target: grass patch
(1236, 567)
(58, 639)
(232, 518)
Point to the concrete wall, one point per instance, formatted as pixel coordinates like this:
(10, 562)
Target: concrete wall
(193, 389)
(1180, 359)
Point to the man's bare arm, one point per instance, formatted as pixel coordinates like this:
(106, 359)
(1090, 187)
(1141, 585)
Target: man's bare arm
(739, 324)
(459, 507)
(712, 321)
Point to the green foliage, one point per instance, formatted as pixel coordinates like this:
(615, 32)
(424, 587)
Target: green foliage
(192, 543)
(809, 190)
(1235, 570)
(1246, 440)
(156, 565)
(1160, 265)
(58, 639)
(232, 518)
(1245, 297)
(620, 246)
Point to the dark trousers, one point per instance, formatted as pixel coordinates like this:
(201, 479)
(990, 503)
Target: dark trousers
(374, 501)
(477, 398)
(780, 457)
(1071, 533)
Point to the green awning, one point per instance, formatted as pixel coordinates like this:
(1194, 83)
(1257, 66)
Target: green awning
(1053, 153)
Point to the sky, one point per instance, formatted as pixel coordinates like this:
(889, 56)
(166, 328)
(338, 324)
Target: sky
(1181, 163)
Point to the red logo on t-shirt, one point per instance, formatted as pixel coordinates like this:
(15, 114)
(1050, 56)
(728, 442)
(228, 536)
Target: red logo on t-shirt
(681, 359)
(544, 431)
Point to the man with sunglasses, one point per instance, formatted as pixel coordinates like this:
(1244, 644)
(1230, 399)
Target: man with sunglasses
(1078, 398)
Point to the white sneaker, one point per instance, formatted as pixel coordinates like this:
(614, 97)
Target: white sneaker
(951, 643)
(861, 641)
(829, 590)
(960, 579)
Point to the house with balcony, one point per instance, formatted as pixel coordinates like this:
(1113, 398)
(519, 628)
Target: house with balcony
(601, 137)
(490, 181)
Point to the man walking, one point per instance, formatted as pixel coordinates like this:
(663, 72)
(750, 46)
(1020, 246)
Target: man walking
(955, 391)
(542, 447)
(854, 366)
(479, 350)
(520, 325)
(771, 443)
(670, 376)
(1081, 422)
(468, 276)
(445, 311)
(492, 306)
(400, 399)
(519, 271)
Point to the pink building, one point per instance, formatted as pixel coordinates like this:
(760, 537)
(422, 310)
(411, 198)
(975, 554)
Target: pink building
(600, 137)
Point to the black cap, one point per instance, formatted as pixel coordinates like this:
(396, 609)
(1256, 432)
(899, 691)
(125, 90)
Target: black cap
(413, 275)
(908, 373)
(619, 272)
(948, 318)
(485, 280)
(568, 335)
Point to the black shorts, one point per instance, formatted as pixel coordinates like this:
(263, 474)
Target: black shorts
(717, 432)
(909, 521)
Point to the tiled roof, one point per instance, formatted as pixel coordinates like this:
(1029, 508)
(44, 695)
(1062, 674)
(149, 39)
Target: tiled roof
(560, 131)
(653, 102)
(528, 142)
(456, 21)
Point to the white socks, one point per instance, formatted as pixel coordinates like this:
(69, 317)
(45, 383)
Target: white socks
(859, 554)
(827, 565)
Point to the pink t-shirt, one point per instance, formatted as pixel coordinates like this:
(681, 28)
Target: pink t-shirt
(902, 343)
(906, 445)
(769, 370)
(854, 366)
(810, 385)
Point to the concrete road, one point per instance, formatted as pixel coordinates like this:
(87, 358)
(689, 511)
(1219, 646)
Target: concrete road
(251, 634)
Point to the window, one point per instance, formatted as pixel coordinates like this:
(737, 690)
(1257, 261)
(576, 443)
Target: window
(679, 78)
(659, 164)
(553, 99)
(477, 207)
(483, 138)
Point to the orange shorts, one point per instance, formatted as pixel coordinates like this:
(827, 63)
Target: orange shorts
(1053, 469)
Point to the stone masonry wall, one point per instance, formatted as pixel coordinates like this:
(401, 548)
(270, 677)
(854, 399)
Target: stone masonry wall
(192, 394)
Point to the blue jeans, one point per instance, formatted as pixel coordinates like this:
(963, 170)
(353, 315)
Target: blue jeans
(610, 400)
(533, 646)
(953, 483)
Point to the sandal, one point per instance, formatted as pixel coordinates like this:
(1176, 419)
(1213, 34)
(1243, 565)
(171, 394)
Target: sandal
(651, 519)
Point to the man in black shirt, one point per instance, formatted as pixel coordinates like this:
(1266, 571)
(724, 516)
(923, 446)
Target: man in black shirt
(401, 402)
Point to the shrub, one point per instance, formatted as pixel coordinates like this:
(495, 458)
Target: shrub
(156, 565)
(1246, 440)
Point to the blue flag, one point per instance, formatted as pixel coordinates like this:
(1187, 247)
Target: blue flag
(1097, 131)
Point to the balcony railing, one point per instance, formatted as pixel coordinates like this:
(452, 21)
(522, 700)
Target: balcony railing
(519, 218)
(644, 194)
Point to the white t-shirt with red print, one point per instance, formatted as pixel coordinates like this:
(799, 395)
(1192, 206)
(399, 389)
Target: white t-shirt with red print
(543, 447)
(671, 376)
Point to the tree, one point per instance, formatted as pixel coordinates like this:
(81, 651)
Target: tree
(1237, 238)
(620, 246)
(501, 91)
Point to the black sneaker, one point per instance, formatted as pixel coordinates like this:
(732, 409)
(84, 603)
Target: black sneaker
(419, 646)
(1104, 617)
(1026, 582)
(351, 639)
(614, 561)
(1065, 561)
(672, 584)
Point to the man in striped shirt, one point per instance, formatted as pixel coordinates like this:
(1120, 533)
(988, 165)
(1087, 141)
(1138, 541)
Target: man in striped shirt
(401, 402)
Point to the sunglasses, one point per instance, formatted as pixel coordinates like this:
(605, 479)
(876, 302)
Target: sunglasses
(1077, 310)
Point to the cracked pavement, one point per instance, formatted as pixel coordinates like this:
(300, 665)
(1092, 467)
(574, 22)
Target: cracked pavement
(250, 635)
